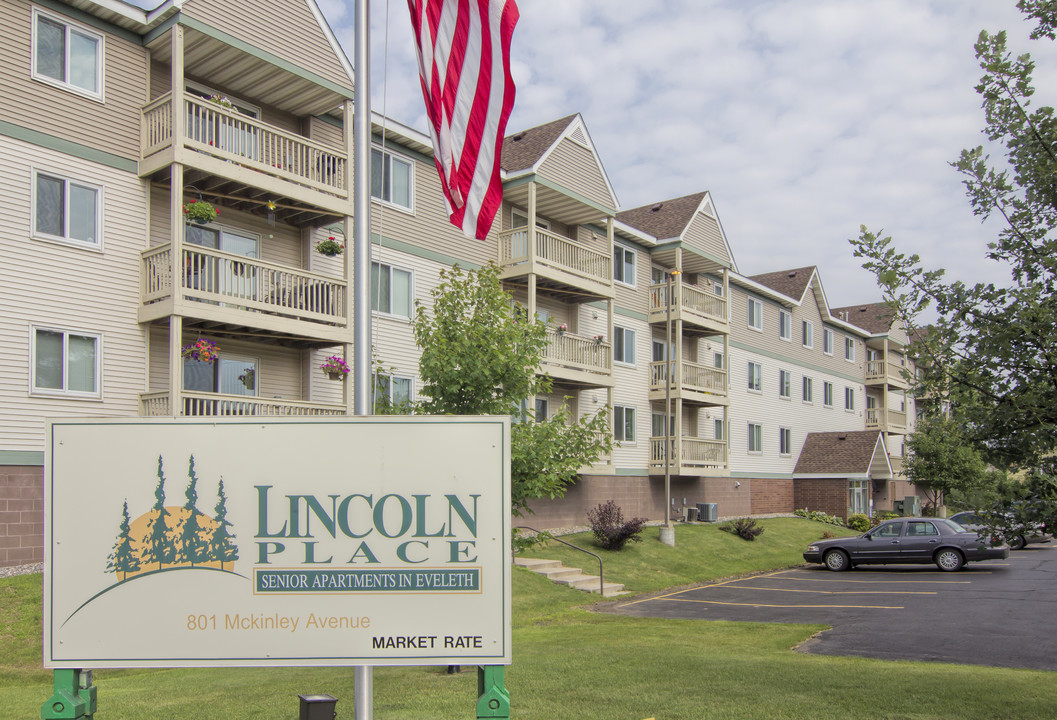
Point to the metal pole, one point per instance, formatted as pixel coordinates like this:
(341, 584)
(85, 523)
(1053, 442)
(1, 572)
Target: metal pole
(668, 532)
(363, 695)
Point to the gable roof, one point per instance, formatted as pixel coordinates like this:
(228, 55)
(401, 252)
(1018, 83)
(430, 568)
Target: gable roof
(524, 149)
(791, 283)
(875, 318)
(663, 220)
(843, 453)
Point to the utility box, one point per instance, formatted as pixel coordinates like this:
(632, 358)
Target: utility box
(897, 507)
(317, 707)
(912, 506)
(707, 512)
(691, 514)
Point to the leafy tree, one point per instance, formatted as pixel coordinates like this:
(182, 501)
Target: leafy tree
(159, 547)
(123, 560)
(993, 350)
(939, 460)
(192, 547)
(221, 546)
(480, 356)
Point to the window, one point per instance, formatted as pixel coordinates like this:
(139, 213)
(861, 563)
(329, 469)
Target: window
(623, 345)
(857, 501)
(542, 409)
(755, 376)
(65, 363)
(656, 275)
(827, 393)
(228, 374)
(390, 290)
(849, 349)
(717, 360)
(755, 314)
(68, 56)
(827, 341)
(809, 390)
(849, 398)
(657, 424)
(623, 423)
(785, 441)
(809, 333)
(391, 178)
(66, 210)
(783, 383)
(624, 265)
(717, 288)
(755, 438)
(717, 428)
(391, 392)
(785, 325)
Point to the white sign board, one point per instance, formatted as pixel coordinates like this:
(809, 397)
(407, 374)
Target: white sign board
(336, 541)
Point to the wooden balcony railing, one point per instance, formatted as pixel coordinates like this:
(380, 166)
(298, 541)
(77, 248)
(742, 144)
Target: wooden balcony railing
(241, 282)
(695, 301)
(578, 352)
(200, 404)
(885, 371)
(701, 378)
(557, 252)
(229, 135)
(692, 452)
(896, 420)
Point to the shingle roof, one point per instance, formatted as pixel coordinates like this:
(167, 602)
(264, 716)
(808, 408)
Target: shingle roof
(839, 453)
(665, 219)
(522, 149)
(791, 283)
(874, 318)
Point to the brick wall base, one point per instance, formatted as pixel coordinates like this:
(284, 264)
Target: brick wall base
(830, 495)
(21, 514)
(772, 496)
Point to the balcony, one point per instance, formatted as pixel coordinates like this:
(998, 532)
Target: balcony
(881, 372)
(562, 266)
(578, 360)
(203, 404)
(702, 312)
(689, 456)
(697, 384)
(226, 288)
(897, 421)
(225, 143)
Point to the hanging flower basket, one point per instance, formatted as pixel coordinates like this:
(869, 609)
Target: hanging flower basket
(222, 102)
(248, 378)
(335, 368)
(201, 350)
(199, 211)
(330, 247)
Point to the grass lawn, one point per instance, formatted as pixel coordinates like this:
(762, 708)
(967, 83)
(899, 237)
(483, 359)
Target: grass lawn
(572, 663)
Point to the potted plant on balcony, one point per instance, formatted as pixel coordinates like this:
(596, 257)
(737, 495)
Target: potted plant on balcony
(222, 102)
(335, 368)
(563, 328)
(248, 378)
(330, 247)
(199, 211)
(201, 350)
(599, 339)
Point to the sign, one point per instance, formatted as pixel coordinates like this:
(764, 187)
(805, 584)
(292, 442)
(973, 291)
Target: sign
(238, 542)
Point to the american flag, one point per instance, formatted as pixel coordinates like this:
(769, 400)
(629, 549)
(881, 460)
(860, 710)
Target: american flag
(464, 66)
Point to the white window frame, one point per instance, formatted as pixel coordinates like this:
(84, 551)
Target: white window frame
(785, 325)
(849, 349)
(858, 499)
(391, 156)
(717, 429)
(97, 394)
(657, 418)
(849, 399)
(755, 374)
(827, 341)
(827, 394)
(808, 390)
(625, 333)
(785, 441)
(625, 252)
(392, 376)
(410, 290)
(65, 238)
(100, 74)
(755, 310)
(808, 329)
(754, 439)
(621, 412)
(785, 391)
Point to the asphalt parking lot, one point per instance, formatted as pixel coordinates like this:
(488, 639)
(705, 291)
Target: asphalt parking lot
(998, 612)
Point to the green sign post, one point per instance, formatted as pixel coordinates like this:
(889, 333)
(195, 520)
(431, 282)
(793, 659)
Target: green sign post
(74, 696)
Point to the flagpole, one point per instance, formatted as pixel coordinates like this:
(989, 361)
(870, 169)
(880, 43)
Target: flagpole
(363, 694)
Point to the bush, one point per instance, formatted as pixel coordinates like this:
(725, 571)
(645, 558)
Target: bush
(858, 522)
(745, 528)
(881, 515)
(610, 529)
(819, 516)
(827, 535)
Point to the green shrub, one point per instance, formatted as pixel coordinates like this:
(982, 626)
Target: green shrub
(881, 515)
(858, 522)
(745, 528)
(610, 529)
(819, 516)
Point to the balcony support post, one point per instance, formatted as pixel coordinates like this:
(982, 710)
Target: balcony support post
(176, 365)
(530, 231)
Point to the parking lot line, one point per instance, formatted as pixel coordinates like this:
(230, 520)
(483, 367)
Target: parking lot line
(698, 587)
(837, 592)
(762, 605)
(875, 582)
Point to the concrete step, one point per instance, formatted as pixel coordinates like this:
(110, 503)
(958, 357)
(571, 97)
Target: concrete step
(560, 574)
(589, 583)
(571, 577)
(536, 564)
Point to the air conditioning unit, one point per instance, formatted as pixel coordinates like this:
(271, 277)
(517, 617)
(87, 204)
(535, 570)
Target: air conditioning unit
(897, 507)
(707, 512)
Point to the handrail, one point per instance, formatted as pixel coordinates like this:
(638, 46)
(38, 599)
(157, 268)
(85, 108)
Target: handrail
(601, 581)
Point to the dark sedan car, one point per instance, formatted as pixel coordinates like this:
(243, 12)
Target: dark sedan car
(907, 540)
(1018, 534)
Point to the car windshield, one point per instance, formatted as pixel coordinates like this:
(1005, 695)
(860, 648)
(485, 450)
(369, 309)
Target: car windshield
(953, 526)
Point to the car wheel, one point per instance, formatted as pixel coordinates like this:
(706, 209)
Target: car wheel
(949, 560)
(1017, 542)
(836, 560)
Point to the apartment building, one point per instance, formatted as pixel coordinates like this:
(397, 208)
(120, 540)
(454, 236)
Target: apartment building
(114, 121)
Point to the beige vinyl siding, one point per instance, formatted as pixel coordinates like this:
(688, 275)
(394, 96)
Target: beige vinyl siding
(632, 389)
(325, 132)
(69, 288)
(112, 125)
(704, 234)
(635, 298)
(576, 168)
(291, 33)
